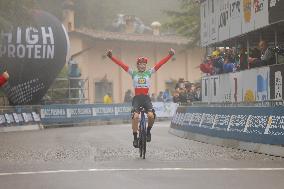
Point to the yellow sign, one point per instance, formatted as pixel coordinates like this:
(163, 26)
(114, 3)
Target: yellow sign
(247, 6)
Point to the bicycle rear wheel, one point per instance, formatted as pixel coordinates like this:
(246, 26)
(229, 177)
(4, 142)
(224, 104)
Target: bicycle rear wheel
(142, 146)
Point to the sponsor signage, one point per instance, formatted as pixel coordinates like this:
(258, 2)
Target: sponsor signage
(245, 86)
(276, 81)
(16, 118)
(76, 113)
(232, 18)
(253, 124)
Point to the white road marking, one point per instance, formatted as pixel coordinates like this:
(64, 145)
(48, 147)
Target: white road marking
(141, 169)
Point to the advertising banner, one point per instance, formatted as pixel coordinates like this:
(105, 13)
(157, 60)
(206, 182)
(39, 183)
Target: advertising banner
(19, 119)
(204, 27)
(77, 113)
(252, 124)
(163, 109)
(249, 85)
(261, 13)
(276, 82)
(224, 20)
(213, 20)
(256, 84)
(215, 83)
(204, 90)
(235, 18)
(247, 16)
(231, 90)
(212, 89)
(33, 55)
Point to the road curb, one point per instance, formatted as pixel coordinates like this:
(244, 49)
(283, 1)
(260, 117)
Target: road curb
(230, 143)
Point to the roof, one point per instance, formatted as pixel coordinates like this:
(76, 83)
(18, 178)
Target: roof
(104, 35)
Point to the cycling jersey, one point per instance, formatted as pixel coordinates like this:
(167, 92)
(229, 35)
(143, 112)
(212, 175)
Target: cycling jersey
(141, 80)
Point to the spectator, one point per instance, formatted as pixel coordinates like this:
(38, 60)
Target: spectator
(217, 62)
(153, 97)
(206, 66)
(180, 95)
(73, 69)
(107, 99)
(267, 56)
(191, 94)
(128, 96)
(243, 59)
(229, 64)
(254, 58)
(198, 92)
(160, 97)
(167, 97)
(180, 83)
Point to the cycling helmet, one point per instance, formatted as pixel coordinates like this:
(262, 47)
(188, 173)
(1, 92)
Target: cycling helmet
(142, 60)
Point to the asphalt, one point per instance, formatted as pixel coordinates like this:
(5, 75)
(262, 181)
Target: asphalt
(103, 157)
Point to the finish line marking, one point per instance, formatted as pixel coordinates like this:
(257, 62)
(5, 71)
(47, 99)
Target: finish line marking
(142, 169)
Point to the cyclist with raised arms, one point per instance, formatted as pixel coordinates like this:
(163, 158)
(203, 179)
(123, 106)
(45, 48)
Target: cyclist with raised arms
(141, 83)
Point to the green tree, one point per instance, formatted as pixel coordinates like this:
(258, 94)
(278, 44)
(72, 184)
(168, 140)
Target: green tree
(186, 21)
(15, 12)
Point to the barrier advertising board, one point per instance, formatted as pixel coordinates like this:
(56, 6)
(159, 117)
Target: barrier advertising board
(82, 112)
(245, 86)
(236, 17)
(251, 124)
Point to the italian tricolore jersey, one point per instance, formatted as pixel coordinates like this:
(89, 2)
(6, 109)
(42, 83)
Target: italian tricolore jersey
(141, 80)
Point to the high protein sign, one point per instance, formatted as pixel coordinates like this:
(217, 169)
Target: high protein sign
(33, 56)
(35, 43)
